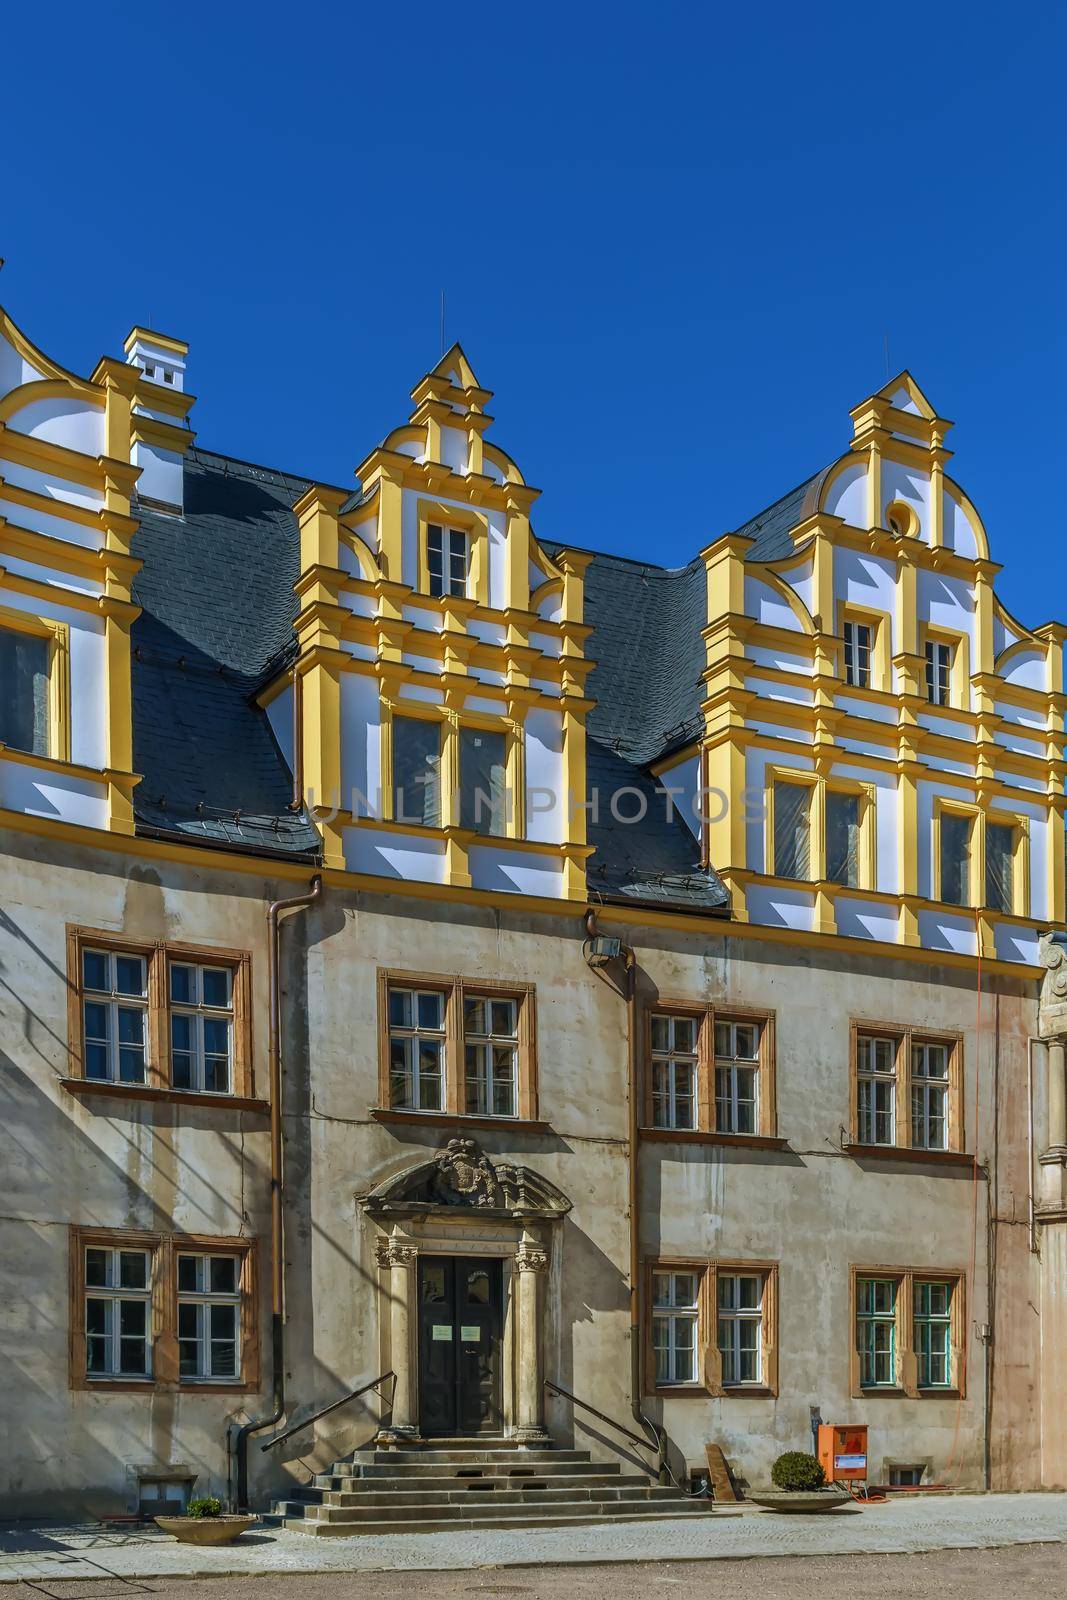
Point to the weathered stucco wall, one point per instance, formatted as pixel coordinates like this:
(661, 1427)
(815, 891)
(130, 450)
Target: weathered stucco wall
(810, 1207)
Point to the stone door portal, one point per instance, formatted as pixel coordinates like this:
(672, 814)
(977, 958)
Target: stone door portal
(460, 1327)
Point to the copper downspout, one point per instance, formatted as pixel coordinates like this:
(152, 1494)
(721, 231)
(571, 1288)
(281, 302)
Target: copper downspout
(277, 1218)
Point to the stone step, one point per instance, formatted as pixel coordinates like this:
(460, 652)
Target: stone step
(445, 1471)
(342, 1507)
(462, 1458)
(533, 1517)
(492, 1483)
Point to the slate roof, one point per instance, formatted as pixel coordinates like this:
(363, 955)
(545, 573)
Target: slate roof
(216, 591)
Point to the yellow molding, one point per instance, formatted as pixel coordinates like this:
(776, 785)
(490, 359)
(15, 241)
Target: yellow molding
(160, 435)
(66, 510)
(44, 456)
(44, 364)
(27, 394)
(704, 925)
(164, 341)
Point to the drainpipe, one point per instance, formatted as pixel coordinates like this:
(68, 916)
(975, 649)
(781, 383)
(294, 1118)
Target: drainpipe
(239, 1437)
(598, 950)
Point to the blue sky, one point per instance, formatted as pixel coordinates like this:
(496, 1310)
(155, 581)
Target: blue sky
(673, 239)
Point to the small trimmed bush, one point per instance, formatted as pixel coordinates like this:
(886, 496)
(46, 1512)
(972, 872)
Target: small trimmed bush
(797, 1470)
(208, 1505)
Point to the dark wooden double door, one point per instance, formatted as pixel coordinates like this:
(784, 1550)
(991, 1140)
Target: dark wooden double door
(460, 1325)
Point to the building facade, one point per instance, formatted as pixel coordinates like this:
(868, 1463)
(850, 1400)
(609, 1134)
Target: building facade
(670, 1012)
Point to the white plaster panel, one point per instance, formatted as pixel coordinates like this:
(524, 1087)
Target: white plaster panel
(361, 763)
(497, 558)
(48, 484)
(902, 401)
(545, 802)
(873, 710)
(454, 449)
(865, 919)
(780, 908)
(779, 660)
(847, 495)
(1019, 780)
(52, 526)
(791, 693)
(394, 855)
(912, 486)
(487, 632)
(937, 722)
(409, 537)
(546, 643)
(14, 369)
(64, 420)
(39, 793)
(1039, 845)
(422, 663)
(958, 533)
(939, 763)
(1017, 944)
(421, 691)
(545, 686)
(683, 782)
(359, 652)
(946, 602)
(74, 581)
(162, 473)
(768, 607)
(1027, 669)
(1003, 636)
(360, 605)
(481, 702)
(550, 607)
(280, 716)
(516, 871)
(1024, 716)
(487, 675)
(773, 730)
(946, 930)
(1009, 740)
(864, 747)
(428, 621)
(800, 579)
(865, 580)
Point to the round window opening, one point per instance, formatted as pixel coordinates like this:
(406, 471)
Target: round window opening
(901, 520)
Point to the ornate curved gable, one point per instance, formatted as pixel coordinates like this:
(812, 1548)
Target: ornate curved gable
(462, 1177)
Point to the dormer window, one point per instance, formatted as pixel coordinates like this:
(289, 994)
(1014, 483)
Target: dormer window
(938, 669)
(447, 559)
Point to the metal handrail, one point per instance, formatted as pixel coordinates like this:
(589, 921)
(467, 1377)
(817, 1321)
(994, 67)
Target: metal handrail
(646, 1444)
(334, 1405)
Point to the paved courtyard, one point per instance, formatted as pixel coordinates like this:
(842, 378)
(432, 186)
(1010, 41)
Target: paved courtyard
(51, 1555)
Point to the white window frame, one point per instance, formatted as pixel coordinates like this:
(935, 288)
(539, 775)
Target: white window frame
(930, 1320)
(200, 1013)
(859, 652)
(938, 657)
(926, 1090)
(451, 544)
(733, 1320)
(413, 1033)
(873, 1078)
(670, 1315)
(114, 1002)
(114, 1294)
(673, 1063)
(485, 1046)
(206, 1300)
(731, 1065)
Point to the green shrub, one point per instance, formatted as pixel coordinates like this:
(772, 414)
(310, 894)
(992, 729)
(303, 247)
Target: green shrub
(797, 1470)
(208, 1505)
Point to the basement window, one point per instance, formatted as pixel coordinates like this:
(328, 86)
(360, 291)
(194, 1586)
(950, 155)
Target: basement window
(906, 1477)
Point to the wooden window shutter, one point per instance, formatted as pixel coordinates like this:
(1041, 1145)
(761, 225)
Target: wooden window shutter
(770, 1329)
(709, 1331)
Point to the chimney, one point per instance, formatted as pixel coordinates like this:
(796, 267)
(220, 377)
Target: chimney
(161, 439)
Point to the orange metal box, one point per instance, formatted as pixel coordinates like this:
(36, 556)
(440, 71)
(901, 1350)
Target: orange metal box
(843, 1452)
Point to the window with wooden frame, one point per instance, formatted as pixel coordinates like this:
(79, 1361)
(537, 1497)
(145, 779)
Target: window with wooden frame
(909, 1332)
(456, 1047)
(152, 1018)
(1006, 864)
(820, 830)
(957, 853)
(162, 1311)
(451, 770)
(710, 1072)
(34, 684)
(907, 1088)
(711, 1327)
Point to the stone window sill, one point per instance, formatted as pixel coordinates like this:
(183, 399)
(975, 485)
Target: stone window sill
(143, 1092)
(899, 1152)
(744, 1141)
(457, 1120)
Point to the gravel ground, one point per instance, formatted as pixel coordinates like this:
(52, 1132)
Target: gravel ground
(1034, 1570)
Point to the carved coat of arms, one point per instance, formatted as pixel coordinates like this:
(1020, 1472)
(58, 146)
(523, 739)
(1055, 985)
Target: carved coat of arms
(464, 1176)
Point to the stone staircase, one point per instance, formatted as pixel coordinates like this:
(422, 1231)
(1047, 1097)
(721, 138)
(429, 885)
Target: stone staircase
(468, 1483)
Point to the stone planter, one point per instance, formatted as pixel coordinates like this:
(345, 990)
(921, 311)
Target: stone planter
(206, 1530)
(804, 1500)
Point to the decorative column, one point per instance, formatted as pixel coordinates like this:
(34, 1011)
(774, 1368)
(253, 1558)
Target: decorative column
(399, 1260)
(1057, 1097)
(530, 1263)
